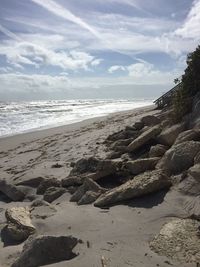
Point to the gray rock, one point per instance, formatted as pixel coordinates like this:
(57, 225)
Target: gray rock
(138, 125)
(31, 181)
(52, 193)
(194, 171)
(144, 138)
(121, 143)
(143, 184)
(11, 191)
(39, 203)
(123, 134)
(190, 135)
(179, 157)
(44, 250)
(88, 198)
(71, 181)
(157, 151)
(141, 165)
(192, 207)
(84, 165)
(150, 120)
(169, 135)
(19, 223)
(44, 185)
(189, 186)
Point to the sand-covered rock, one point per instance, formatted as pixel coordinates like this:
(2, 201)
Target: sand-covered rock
(11, 191)
(44, 250)
(44, 185)
(52, 193)
(157, 150)
(179, 157)
(192, 206)
(143, 184)
(123, 134)
(178, 240)
(84, 165)
(141, 165)
(150, 120)
(169, 135)
(189, 135)
(19, 223)
(144, 138)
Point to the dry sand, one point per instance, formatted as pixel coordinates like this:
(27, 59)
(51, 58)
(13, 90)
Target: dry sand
(111, 238)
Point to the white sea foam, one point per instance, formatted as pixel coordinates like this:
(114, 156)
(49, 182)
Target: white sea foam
(19, 117)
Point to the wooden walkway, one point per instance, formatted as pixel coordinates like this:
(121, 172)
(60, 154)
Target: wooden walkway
(166, 99)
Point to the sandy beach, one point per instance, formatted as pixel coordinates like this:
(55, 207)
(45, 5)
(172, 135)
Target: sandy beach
(114, 237)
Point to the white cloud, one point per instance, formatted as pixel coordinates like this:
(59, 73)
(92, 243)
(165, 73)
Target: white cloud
(116, 68)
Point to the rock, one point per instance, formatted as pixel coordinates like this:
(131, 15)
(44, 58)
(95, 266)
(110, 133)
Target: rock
(45, 250)
(31, 181)
(11, 191)
(121, 143)
(190, 135)
(89, 185)
(150, 120)
(71, 181)
(143, 184)
(89, 197)
(114, 155)
(138, 125)
(194, 171)
(123, 134)
(157, 151)
(144, 138)
(141, 165)
(197, 158)
(179, 157)
(192, 207)
(39, 203)
(169, 135)
(178, 240)
(84, 165)
(52, 193)
(19, 223)
(44, 185)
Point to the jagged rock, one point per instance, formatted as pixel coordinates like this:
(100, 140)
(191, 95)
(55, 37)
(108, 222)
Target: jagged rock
(144, 138)
(44, 185)
(157, 151)
(126, 157)
(44, 250)
(114, 155)
(190, 135)
(192, 206)
(179, 157)
(141, 165)
(143, 184)
(39, 203)
(88, 185)
(123, 134)
(84, 165)
(19, 223)
(150, 120)
(178, 240)
(169, 135)
(88, 198)
(194, 171)
(197, 158)
(121, 143)
(31, 181)
(72, 181)
(11, 191)
(52, 193)
(138, 125)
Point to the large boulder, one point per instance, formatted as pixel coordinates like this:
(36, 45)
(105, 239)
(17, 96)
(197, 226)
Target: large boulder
(121, 144)
(45, 250)
(82, 197)
(33, 181)
(189, 135)
(178, 240)
(157, 150)
(169, 135)
(19, 223)
(141, 165)
(150, 120)
(84, 165)
(143, 184)
(138, 125)
(123, 134)
(11, 191)
(192, 207)
(44, 185)
(144, 138)
(71, 181)
(179, 157)
(52, 193)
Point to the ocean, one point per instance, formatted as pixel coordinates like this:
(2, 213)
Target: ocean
(26, 116)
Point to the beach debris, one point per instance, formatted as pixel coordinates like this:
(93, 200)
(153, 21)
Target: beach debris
(44, 185)
(179, 157)
(19, 225)
(144, 138)
(178, 240)
(140, 185)
(44, 250)
(52, 193)
(11, 191)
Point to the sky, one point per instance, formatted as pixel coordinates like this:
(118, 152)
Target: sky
(66, 49)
